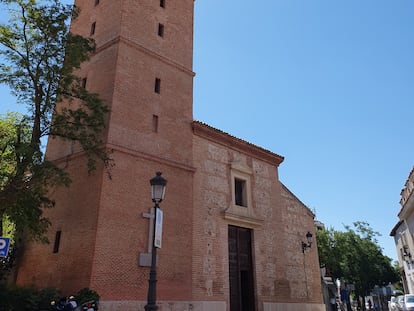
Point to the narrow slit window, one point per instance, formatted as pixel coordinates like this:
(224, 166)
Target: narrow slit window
(157, 87)
(161, 30)
(57, 241)
(155, 123)
(240, 194)
(162, 3)
(84, 81)
(96, 2)
(93, 28)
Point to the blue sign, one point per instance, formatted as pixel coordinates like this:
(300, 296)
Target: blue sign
(4, 246)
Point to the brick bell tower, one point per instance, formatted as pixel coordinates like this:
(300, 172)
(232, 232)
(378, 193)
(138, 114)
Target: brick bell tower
(142, 69)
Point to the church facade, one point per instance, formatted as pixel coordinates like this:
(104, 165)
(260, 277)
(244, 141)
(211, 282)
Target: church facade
(233, 234)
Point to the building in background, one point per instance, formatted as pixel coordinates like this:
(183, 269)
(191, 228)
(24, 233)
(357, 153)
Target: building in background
(403, 235)
(232, 232)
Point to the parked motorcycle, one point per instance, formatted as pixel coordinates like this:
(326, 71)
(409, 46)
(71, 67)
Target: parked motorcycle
(71, 305)
(58, 305)
(90, 306)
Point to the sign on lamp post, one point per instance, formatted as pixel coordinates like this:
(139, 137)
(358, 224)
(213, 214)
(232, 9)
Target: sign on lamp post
(158, 228)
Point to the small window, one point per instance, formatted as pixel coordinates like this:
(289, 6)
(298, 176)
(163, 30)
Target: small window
(155, 123)
(57, 242)
(241, 209)
(240, 194)
(161, 30)
(162, 3)
(93, 27)
(84, 80)
(96, 2)
(157, 87)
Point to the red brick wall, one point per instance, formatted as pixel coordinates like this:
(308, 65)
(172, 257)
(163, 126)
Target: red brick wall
(122, 231)
(102, 228)
(279, 223)
(75, 215)
(302, 269)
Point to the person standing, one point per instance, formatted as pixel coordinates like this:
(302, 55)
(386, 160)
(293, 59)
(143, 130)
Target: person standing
(332, 302)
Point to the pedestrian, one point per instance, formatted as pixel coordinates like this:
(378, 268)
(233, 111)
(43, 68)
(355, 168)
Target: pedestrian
(332, 302)
(376, 305)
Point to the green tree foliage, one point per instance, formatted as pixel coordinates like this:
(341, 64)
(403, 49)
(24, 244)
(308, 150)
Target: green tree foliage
(23, 194)
(355, 256)
(38, 60)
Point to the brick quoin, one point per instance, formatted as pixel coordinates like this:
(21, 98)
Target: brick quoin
(146, 79)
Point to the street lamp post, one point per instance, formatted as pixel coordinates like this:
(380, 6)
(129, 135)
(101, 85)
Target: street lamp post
(158, 184)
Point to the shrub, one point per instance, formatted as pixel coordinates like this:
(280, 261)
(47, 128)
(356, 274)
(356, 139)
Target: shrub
(26, 298)
(85, 295)
(34, 299)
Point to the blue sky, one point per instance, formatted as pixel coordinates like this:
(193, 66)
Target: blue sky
(326, 84)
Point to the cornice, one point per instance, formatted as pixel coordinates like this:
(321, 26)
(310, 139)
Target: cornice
(407, 197)
(145, 50)
(133, 153)
(225, 139)
(396, 227)
(149, 157)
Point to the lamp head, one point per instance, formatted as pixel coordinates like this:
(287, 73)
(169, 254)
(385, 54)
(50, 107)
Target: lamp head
(309, 240)
(158, 184)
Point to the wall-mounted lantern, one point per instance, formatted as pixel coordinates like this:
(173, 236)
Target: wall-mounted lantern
(309, 242)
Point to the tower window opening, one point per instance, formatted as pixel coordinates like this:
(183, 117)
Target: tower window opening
(155, 123)
(84, 81)
(93, 28)
(157, 87)
(96, 2)
(57, 241)
(162, 3)
(161, 30)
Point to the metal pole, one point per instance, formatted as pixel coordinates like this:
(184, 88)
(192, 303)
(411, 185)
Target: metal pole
(152, 282)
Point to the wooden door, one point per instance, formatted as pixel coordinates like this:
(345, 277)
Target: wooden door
(241, 270)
